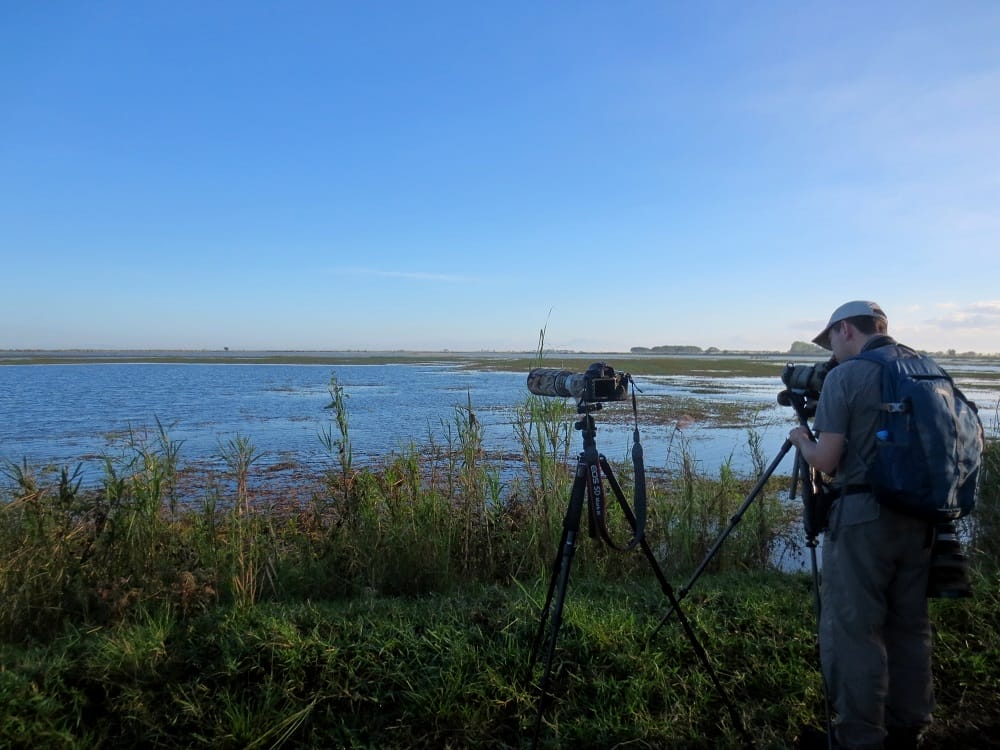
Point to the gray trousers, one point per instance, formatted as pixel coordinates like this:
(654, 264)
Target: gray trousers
(875, 634)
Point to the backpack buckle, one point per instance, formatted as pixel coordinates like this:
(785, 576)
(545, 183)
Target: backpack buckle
(896, 407)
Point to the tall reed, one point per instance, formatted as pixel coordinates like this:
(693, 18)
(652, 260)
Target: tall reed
(68, 554)
(39, 545)
(137, 483)
(252, 534)
(543, 427)
(339, 446)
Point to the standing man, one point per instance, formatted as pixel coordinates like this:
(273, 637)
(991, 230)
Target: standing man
(875, 633)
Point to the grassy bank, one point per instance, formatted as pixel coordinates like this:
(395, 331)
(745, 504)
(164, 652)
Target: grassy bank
(395, 605)
(452, 671)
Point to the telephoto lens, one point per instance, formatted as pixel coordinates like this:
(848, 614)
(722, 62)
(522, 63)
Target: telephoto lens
(949, 573)
(547, 381)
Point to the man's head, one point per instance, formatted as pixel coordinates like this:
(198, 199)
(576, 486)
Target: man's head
(851, 325)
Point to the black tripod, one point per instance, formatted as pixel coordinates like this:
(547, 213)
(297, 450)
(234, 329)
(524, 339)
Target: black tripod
(588, 485)
(733, 522)
(816, 507)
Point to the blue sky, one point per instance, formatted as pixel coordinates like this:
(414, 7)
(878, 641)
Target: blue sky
(457, 175)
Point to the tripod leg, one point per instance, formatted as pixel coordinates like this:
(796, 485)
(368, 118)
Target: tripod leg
(811, 543)
(553, 581)
(814, 521)
(675, 606)
(737, 517)
(552, 611)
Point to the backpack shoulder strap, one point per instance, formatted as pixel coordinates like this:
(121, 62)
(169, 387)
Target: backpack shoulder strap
(899, 362)
(881, 348)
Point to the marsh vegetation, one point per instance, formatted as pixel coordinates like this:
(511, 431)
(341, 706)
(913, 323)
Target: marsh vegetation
(394, 604)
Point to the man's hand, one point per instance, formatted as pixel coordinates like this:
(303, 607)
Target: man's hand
(823, 454)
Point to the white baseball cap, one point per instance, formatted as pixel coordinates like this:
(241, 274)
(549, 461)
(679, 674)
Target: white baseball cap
(849, 310)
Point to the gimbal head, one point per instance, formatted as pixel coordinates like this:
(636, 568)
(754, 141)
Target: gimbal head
(803, 402)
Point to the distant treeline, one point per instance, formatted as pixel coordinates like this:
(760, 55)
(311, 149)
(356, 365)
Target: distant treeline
(799, 347)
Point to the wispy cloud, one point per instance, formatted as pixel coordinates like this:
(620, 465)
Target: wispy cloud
(447, 278)
(978, 315)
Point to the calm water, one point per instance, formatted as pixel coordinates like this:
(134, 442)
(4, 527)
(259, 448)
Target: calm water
(65, 414)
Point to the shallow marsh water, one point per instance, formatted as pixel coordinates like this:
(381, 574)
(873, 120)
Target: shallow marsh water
(63, 414)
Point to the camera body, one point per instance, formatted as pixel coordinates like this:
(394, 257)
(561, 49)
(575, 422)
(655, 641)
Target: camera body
(804, 385)
(600, 383)
(807, 379)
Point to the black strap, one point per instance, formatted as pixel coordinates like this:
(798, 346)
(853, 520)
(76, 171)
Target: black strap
(639, 475)
(638, 519)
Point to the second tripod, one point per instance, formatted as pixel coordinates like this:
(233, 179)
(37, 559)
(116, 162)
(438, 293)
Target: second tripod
(588, 490)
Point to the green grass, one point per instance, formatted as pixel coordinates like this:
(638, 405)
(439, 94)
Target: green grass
(452, 671)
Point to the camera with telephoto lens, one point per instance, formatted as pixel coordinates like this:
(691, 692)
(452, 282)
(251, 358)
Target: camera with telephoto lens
(804, 384)
(599, 383)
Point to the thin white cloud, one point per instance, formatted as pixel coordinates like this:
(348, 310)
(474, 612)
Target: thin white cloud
(978, 315)
(991, 307)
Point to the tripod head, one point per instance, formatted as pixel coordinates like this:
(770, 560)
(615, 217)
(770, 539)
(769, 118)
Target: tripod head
(588, 407)
(817, 495)
(803, 402)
